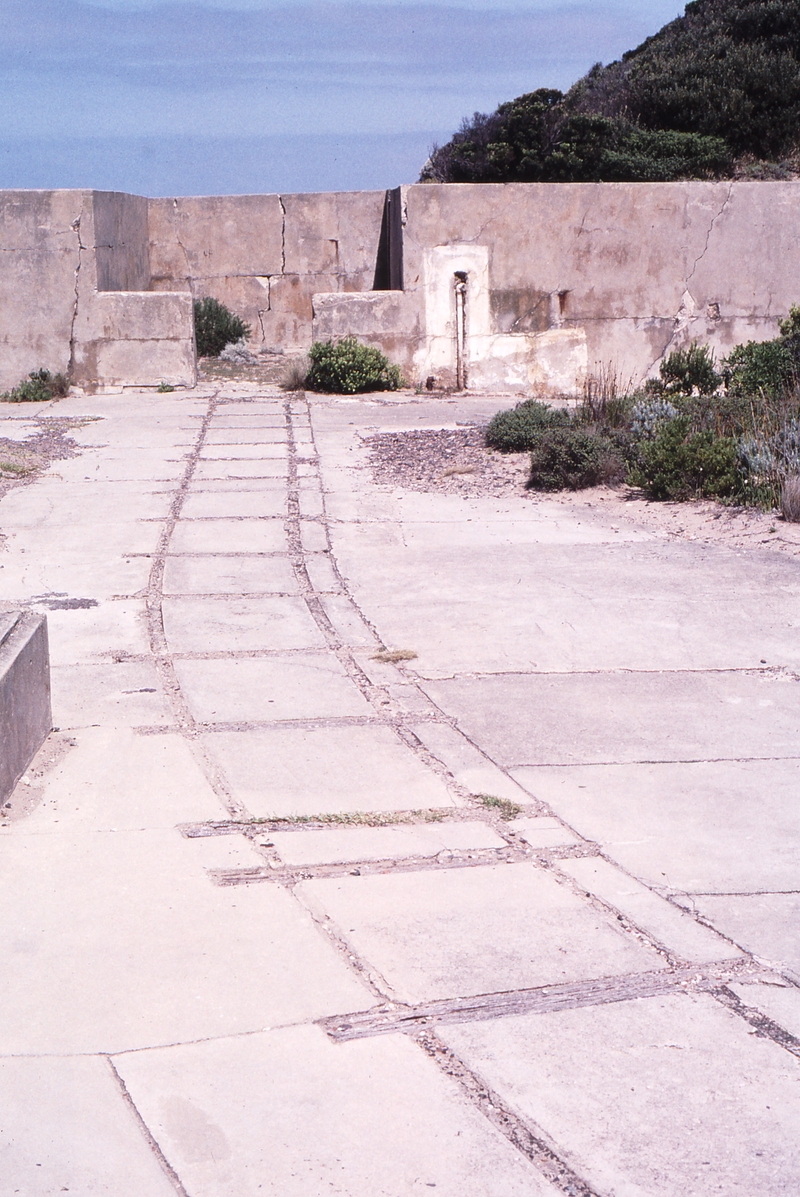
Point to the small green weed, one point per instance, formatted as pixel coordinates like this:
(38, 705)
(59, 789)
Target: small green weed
(164, 388)
(39, 387)
(216, 326)
(506, 810)
(347, 367)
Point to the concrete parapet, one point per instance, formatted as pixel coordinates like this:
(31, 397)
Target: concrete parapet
(134, 338)
(25, 715)
(386, 319)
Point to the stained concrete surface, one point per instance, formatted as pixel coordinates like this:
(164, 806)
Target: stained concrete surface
(513, 915)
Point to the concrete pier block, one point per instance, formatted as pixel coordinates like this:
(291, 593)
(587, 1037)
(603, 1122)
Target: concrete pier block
(25, 715)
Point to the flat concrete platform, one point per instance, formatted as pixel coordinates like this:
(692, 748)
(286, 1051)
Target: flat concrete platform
(512, 911)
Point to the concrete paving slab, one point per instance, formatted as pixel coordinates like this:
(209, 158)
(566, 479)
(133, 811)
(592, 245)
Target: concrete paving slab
(325, 770)
(130, 938)
(234, 505)
(93, 633)
(781, 1005)
(30, 577)
(314, 537)
(229, 536)
(543, 831)
(322, 574)
(731, 826)
(220, 434)
(662, 1096)
(308, 687)
(56, 503)
(220, 470)
(204, 625)
(123, 465)
(381, 843)
(569, 719)
(672, 927)
(112, 779)
(768, 925)
(456, 932)
(468, 765)
(470, 574)
(125, 694)
(260, 451)
(229, 575)
(349, 621)
(290, 1113)
(66, 1129)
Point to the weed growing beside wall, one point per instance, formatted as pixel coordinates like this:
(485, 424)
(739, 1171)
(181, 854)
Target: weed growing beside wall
(347, 367)
(39, 387)
(216, 326)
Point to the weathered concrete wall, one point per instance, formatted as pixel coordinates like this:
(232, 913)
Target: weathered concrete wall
(122, 243)
(41, 243)
(75, 293)
(25, 716)
(565, 278)
(561, 280)
(265, 256)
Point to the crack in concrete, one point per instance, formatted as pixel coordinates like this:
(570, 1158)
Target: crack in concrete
(147, 1134)
(283, 234)
(76, 228)
(542, 999)
(528, 1138)
(714, 219)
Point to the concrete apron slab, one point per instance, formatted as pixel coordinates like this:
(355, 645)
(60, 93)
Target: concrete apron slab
(252, 825)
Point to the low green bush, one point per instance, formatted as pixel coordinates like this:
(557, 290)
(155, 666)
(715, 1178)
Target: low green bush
(216, 326)
(690, 371)
(677, 463)
(566, 458)
(38, 387)
(347, 367)
(519, 429)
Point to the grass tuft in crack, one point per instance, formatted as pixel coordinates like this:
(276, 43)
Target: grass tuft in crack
(390, 656)
(505, 809)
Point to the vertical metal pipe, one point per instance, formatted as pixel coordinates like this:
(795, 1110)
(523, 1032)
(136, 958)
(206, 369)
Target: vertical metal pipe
(461, 328)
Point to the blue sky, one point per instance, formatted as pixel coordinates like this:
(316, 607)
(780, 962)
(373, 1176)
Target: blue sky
(212, 96)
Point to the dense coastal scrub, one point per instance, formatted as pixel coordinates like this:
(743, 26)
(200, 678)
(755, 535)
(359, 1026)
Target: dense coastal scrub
(714, 94)
(696, 431)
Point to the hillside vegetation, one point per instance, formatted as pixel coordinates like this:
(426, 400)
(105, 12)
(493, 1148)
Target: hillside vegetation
(714, 94)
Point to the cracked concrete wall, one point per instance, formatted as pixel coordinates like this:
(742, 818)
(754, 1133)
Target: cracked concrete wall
(587, 275)
(74, 293)
(265, 256)
(40, 248)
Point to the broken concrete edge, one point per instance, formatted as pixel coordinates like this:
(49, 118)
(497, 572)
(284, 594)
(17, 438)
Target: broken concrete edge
(25, 713)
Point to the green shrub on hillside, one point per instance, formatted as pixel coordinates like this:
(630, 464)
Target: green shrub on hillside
(38, 387)
(347, 367)
(216, 326)
(710, 92)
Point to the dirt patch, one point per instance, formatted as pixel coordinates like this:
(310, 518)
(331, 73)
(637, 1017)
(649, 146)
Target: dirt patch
(456, 461)
(22, 461)
(448, 461)
(267, 370)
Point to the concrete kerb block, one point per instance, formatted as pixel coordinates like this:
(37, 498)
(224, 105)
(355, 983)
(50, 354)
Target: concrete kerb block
(25, 713)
